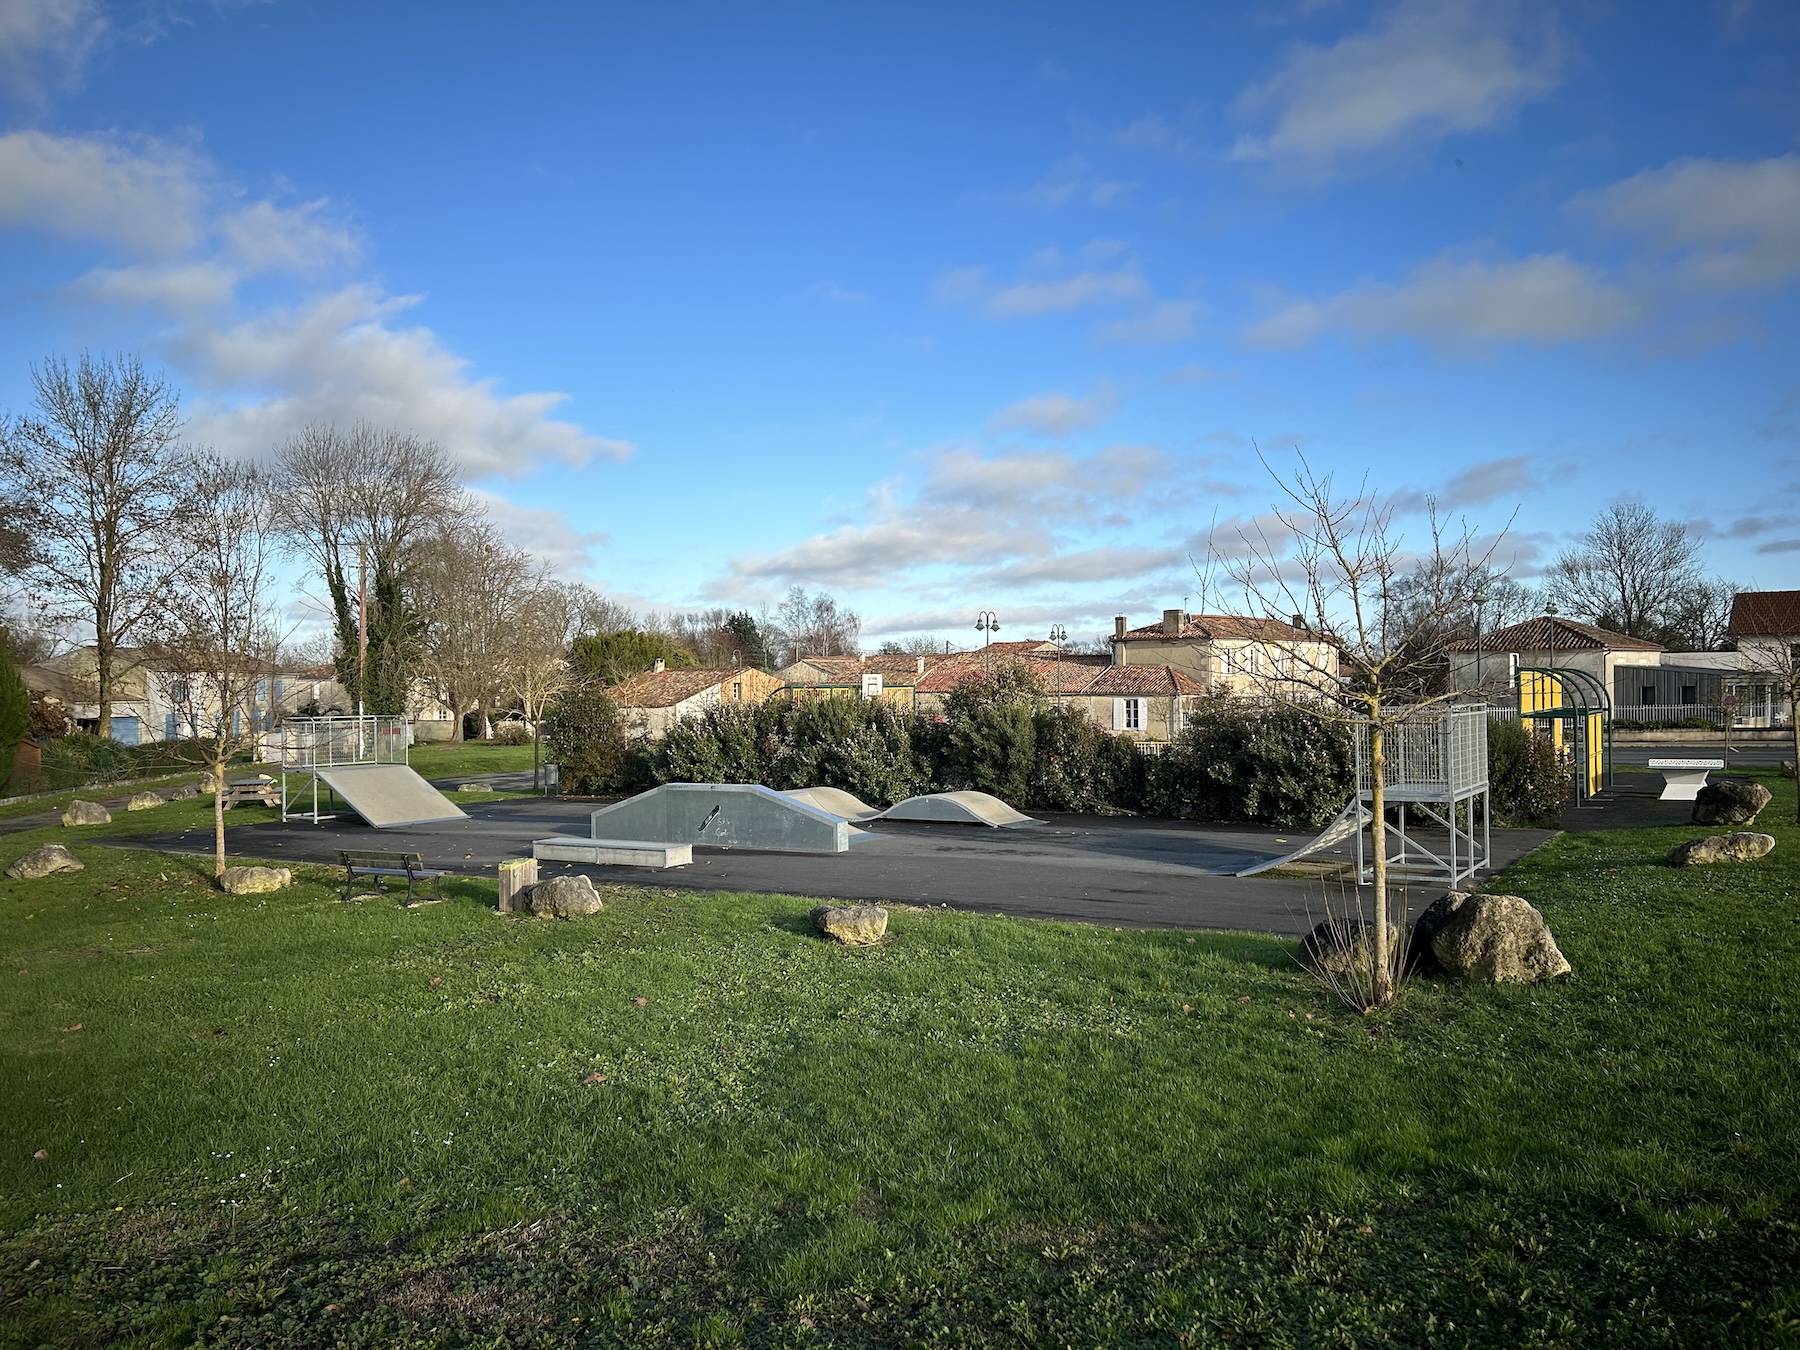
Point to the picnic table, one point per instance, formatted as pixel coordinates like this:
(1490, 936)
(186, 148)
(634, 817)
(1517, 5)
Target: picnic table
(1683, 778)
(257, 788)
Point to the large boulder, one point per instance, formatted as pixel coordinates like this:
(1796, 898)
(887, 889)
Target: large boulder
(1497, 939)
(564, 896)
(42, 861)
(144, 801)
(254, 880)
(1339, 948)
(1720, 848)
(852, 925)
(86, 813)
(185, 793)
(1731, 801)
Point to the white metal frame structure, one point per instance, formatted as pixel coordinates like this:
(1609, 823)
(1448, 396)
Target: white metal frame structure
(309, 744)
(1437, 766)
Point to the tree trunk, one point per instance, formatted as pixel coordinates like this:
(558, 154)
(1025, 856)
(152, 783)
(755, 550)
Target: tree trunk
(219, 815)
(1381, 985)
(1794, 722)
(103, 679)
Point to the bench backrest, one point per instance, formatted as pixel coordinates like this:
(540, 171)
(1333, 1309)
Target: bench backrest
(351, 857)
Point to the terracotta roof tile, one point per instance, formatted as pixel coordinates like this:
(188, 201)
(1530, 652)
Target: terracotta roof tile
(1765, 614)
(1204, 627)
(1141, 680)
(1534, 635)
(666, 688)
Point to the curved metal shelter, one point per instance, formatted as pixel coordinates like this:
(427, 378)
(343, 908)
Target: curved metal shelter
(1579, 712)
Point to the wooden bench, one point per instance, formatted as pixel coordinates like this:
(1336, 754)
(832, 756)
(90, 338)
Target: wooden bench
(1683, 778)
(260, 789)
(359, 863)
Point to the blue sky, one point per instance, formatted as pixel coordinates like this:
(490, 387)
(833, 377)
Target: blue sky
(942, 308)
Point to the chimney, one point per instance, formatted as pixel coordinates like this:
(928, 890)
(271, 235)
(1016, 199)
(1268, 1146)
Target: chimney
(656, 666)
(1172, 622)
(1119, 626)
(1300, 622)
(920, 669)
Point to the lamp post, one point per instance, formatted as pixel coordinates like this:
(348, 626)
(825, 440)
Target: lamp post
(987, 623)
(1481, 599)
(1058, 635)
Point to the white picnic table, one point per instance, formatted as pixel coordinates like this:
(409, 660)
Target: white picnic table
(1683, 778)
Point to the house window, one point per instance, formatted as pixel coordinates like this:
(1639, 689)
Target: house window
(237, 725)
(1690, 693)
(737, 689)
(168, 726)
(1134, 714)
(1649, 694)
(178, 691)
(262, 691)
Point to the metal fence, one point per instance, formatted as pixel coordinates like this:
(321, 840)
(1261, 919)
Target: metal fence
(1700, 716)
(325, 742)
(1441, 749)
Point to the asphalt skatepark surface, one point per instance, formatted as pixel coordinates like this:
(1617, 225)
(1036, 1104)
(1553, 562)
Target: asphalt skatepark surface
(1122, 871)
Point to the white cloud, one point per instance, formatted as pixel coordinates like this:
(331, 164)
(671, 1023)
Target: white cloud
(1547, 298)
(834, 293)
(1735, 225)
(545, 534)
(1055, 414)
(1071, 182)
(1428, 69)
(1167, 321)
(1032, 297)
(1511, 476)
(257, 375)
(971, 511)
(144, 195)
(46, 38)
(1089, 564)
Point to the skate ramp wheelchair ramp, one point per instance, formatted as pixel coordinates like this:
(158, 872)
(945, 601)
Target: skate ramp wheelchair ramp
(389, 796)
(958, 808)
(835, 801)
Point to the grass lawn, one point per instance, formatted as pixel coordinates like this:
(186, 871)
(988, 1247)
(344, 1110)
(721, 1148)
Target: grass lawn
(452, 759)
(686, 1121)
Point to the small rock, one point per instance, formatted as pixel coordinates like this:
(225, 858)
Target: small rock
(564, 896)
(1339, 947)
(41, 1154)
(185, 793)
(1719, 848)
(1730, 802)
(86, 813)
(42, 861)
(254, 880)
(144, 801)
(852, 925)
(1498, 939)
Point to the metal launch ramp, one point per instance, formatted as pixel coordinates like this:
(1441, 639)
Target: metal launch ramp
(389, 795)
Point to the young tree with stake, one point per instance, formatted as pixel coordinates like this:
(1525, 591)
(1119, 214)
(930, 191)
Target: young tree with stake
(1339, 561)
(221, 617)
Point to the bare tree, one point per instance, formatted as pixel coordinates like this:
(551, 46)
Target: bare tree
(357, 500)
(545, 622)
(94, 477)
(1630, 572)
(219, 615)
(913, 644)
(1339, 561)
(468, 582)
(817, 625)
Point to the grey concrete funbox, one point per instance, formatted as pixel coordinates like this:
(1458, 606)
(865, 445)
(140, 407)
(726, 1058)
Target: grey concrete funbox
(681, 815)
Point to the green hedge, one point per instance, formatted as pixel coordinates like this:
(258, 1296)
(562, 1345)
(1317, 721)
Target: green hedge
(1259, 764)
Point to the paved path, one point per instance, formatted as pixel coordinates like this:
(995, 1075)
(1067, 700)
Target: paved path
(1120, 871)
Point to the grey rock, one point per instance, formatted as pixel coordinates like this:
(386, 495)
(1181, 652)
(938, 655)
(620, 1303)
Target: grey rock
(86, 813)
(144, 801)
(1730, 802)
(563, 897)
(1340, 948)
(1787, 768)
(42, 861)
(852, 925)
(1721, 848)
(1497, 939)
(185, 793)
(254, 880)
(474, 787)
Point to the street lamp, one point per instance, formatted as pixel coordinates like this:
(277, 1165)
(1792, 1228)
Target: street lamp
(1058, 635)
(987, 623)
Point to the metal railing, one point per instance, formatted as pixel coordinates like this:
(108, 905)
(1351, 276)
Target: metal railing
(1700, 716)
(1445, 749)
(327, 742)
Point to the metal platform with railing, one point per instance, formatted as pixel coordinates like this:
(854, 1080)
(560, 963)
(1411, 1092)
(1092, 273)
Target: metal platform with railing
(312, 744)
(1435, 766)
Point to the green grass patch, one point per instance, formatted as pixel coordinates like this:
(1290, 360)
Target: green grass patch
(283, 1119)
(454, 759)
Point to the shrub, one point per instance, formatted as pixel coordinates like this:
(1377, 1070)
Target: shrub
(588, 742)
(512, 732)
(1527, 780)
(864, 746)
(718, 746)
(991, 740)
(15, 713)
(1269, 764)
(1078, 766)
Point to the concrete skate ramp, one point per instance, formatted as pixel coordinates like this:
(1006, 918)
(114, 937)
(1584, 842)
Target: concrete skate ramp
(724, 815)
(834, 801)
(389, 796)
(960, 808)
